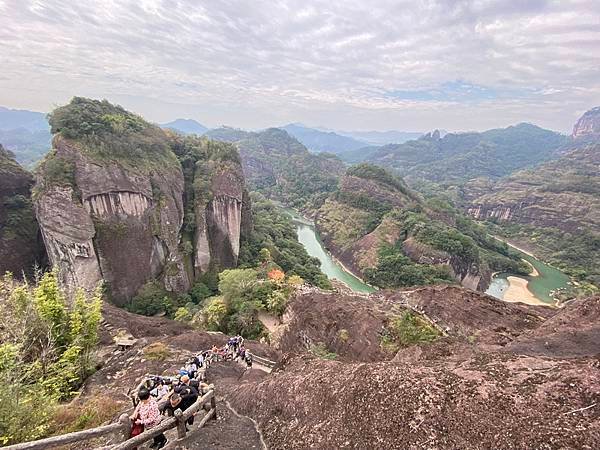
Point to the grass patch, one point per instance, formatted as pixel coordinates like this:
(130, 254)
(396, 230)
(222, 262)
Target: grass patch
(320, 350)
(343, 335)
(76, 417)
(408, 329)
(157, 351)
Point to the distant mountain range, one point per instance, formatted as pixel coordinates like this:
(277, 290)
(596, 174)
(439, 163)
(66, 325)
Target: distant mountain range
(345, 142)
(382, 137)
(323, 141)
(26, 134)
(11, 119)
(458, 157)
(186, 126)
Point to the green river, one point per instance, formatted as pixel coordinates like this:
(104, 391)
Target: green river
(307, 236)
(541, 286)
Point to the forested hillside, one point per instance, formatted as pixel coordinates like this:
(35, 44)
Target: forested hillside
(456, 158)
(385, 231)
(281, 168)
(555, 207)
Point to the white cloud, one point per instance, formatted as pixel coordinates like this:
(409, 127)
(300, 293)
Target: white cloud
(329, 63)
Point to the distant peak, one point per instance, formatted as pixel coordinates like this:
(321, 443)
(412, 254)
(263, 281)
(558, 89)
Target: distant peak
(588, 124)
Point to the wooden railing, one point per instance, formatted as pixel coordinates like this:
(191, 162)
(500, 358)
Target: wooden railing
(179, 421)
(264, 361)
(123, 426)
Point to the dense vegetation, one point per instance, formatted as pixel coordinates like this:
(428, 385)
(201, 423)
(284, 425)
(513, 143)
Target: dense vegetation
(394, 269)
(46, 345)
(426, 229)
(109, 132)
(459, 157)
(281, 168)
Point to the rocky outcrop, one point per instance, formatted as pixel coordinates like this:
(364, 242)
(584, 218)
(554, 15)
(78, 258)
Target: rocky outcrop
(561, 194)
(588, 125)
(112, 199)
(220, 221)
(113, 222)
(436, 394)
(21, 247)
(467, 272)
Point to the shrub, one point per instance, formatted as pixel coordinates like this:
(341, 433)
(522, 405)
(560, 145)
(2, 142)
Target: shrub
(214, 313)
(183, 315)
(343, 335)
(321, 351)
(157, 351)
(47, 342)
(151, 299)
(408, 329)
(78, 416)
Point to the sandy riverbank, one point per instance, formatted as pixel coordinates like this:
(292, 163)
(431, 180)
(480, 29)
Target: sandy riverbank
(519, 292)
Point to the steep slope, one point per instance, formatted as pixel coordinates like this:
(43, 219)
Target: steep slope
(26, 134)
(554, 208)
(386, 232)
(466, 389)
(459, 157)
(20, 244)
(280, 167)
(323, 141)
(110, 202)
(185, 126)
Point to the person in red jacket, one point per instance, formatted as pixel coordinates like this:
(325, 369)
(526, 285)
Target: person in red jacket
(146, 413)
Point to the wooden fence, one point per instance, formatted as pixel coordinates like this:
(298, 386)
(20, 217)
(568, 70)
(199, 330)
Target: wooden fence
(123, 426)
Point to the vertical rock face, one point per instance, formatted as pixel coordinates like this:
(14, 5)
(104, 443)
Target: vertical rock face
(114, 193)
(220, 221)
(113, 222)
(20, 244)
(68, 232)
(588, 125)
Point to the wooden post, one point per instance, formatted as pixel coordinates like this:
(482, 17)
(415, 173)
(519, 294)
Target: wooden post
(125, 422)
(180, 423)
(213, 405)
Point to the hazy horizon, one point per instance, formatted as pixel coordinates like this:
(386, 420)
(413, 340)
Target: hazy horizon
(458, 66)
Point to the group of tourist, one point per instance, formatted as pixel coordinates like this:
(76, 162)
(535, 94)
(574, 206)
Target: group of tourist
(234, 350)
(183, 390)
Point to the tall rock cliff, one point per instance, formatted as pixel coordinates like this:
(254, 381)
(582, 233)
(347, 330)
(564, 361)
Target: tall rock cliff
(384, 231)
(20, 244)
(110, 200)
(217, 205)
(588, 125)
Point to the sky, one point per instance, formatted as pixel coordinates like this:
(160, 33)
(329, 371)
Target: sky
(351, 65)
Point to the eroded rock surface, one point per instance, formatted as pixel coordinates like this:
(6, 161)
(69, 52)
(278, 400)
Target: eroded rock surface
(473, 388)
(21, 247)
(114, 222)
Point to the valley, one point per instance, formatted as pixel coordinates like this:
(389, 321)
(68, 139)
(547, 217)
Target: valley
(309, 238)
